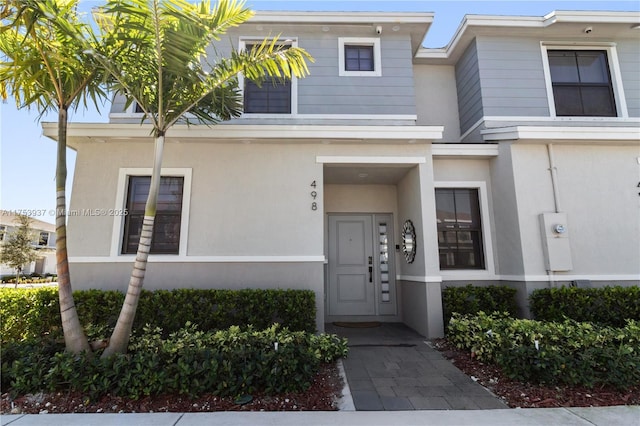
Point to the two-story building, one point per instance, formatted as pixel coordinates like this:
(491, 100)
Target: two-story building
(44, 242)
(511, 156)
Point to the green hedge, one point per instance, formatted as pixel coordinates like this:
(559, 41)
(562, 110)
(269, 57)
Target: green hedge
(607, 305)
(34, 313)
(568, 352)
(473, 299)
(228, 362)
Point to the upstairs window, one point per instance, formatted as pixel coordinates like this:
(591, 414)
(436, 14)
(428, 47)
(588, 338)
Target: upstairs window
(459, 228)
(43, 239)
(581, 82)
(273, 96)
(166, 231)
(359, 57)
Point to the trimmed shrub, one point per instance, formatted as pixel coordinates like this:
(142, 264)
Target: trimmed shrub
(472, 299)
(228, 362)
(568, 352)
(607, 305)
(35, 313)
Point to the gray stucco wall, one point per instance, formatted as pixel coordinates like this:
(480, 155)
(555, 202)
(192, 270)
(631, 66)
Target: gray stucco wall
(469, 89)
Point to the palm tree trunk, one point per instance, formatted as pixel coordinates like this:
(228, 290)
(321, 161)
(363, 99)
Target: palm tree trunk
(120, 336)
(74, 337)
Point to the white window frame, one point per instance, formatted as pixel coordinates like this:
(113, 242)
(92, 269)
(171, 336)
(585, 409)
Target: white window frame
(489, 271)
(360, 41)
(121, 204)
(293, 42)
(614, 71)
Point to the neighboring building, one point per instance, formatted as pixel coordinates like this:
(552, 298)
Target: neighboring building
(511, 156)
(44, 242)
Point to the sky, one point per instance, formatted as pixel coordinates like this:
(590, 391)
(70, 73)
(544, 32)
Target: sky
(27, 159)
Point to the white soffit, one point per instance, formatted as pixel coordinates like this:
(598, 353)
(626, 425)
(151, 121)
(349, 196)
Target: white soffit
(564, 133)
(464, 150)
(472, 25)
(106, 131)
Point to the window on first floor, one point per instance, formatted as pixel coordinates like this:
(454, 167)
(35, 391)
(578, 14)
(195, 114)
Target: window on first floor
(581, 82)
(459, 228)
(166, 232)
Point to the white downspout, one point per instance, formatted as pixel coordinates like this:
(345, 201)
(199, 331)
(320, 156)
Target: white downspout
(556, 197)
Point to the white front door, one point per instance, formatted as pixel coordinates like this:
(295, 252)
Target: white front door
(361, 265)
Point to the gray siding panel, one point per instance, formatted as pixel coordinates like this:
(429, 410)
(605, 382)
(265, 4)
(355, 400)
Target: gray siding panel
(325, 92)
(629, 65)
(512, 77)
(468, 88)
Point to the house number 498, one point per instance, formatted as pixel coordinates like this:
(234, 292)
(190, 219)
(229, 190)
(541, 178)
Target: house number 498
(314, 195)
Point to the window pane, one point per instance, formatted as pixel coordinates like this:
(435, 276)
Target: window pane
(598, 102)
(563, 67)
(567, 100)
(593, 67)
(274, 97)
(358, 58)
(166, 230)
(581, 83)
(459, 229)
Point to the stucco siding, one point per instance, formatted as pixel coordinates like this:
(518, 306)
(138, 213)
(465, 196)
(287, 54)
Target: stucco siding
(597, 187)
(436, 99)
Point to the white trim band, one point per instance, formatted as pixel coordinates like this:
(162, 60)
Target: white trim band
(369, 160)
(197, 259)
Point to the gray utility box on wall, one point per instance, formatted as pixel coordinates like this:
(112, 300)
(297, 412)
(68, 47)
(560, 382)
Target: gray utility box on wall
(555, 241)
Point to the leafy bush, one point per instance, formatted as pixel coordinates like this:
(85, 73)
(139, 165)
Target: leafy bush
(472, 299)
(608, 305)
(569, 352)
(33, 313)
(228, 362)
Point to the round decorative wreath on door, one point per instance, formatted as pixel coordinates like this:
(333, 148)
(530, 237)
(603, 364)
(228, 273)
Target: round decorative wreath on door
(409, 241)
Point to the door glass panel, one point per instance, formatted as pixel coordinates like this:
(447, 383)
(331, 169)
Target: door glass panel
(383, 248)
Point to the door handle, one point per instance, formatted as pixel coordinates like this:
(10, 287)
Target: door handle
(370, 274)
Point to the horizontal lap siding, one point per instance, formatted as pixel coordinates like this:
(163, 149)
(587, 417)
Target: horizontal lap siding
(325, 92)
(512, 77)
(468, 87)
(629, 66)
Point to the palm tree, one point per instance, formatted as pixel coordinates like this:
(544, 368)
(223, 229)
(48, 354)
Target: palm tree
(43, 65)
(161, 63)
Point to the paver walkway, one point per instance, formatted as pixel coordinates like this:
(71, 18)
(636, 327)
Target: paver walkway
(390, 367)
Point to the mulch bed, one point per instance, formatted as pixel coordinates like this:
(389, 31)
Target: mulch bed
(321, 396)
(526, 395)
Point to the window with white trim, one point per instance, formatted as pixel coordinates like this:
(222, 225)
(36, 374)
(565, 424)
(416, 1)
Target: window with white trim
(166, 231)
(274, 95)
(583, 80)
(359, 57)
(459, 225)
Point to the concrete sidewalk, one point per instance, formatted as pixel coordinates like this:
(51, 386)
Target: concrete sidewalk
(603, 416)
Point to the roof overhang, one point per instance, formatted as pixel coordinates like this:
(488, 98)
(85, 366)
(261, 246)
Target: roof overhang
(416, 24)
(606, 25)
(582, 134)
(78, 133)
